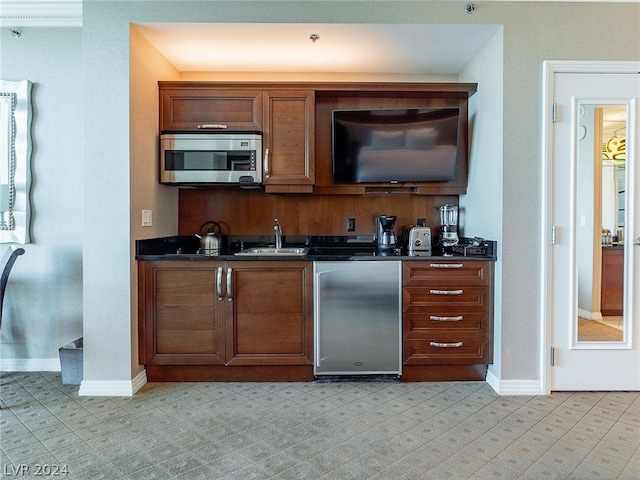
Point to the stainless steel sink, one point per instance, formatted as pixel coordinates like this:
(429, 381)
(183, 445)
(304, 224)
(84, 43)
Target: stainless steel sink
(284, 251)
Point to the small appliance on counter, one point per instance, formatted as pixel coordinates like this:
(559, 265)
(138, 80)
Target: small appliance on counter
(470, 247)
(417, 240)
(211, 240)
(448, 228)
(385, 236)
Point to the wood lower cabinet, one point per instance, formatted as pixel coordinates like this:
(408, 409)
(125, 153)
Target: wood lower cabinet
(179, 319)
(447, 319)
(270, 313)
(612, 295)
(253, 320)
(228, 321)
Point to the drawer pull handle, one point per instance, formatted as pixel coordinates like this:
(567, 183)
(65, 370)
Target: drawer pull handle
(446, 292)
(212, 125)
(446, 345)
(446, 265)
(436, 318)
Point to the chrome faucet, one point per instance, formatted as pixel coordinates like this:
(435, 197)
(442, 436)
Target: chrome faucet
(278, 230)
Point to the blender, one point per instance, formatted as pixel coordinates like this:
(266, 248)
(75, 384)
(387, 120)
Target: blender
(448, 228)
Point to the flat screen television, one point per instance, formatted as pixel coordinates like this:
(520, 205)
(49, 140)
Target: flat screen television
(395, 146)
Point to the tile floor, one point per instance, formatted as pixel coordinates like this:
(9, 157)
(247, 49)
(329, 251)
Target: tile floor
(336, 431)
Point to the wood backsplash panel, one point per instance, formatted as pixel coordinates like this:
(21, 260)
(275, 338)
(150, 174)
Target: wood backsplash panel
(251, 212)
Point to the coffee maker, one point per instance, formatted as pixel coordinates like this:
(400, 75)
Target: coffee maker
(385, 236)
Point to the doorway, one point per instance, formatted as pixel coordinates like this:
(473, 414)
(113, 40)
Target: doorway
(590, 266)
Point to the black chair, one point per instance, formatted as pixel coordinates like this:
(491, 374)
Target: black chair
(11, 256)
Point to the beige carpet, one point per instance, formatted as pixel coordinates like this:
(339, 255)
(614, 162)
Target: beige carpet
(593, 331)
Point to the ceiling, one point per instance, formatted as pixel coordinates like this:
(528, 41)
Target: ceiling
(342, 48)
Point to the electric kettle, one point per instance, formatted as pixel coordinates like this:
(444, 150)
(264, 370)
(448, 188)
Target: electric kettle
(211, 240)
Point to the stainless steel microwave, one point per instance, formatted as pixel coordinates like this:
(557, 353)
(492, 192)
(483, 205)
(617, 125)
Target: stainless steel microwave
(211, 158)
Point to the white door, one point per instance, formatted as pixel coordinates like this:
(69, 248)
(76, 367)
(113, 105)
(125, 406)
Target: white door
(578, 209)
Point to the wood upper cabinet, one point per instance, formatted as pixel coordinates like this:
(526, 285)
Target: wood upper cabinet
(447, 312)
(192, 108)
(225, 313)
(289, 140)
(180, 322)
(296, 121)
(270, 315)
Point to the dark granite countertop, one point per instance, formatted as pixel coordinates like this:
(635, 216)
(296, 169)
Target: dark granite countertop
(327, 248)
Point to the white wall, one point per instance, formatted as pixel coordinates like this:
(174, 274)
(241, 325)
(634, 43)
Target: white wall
(147, 66)
(43, 303)
(482, 206)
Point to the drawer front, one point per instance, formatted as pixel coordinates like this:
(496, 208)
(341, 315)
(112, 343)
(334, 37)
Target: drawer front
(446, 273)
(444, 299)
(469, 325)
(446, 350)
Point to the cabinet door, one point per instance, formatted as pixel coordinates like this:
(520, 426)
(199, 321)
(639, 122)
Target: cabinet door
(289, 140)
(179, 320)
(270, 315)
(193, 108)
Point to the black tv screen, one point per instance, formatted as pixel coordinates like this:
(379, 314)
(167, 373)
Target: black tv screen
(395, 146)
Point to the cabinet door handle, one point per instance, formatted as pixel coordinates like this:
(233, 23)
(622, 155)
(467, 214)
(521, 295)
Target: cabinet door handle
(219, 283)
(446, 292)
(266, 162)
(212, 125)
(446, 265)
(436, 318)
(229, 284)
(446, 345)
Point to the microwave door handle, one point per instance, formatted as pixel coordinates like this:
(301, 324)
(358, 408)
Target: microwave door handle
(266, 163)
(212, 125)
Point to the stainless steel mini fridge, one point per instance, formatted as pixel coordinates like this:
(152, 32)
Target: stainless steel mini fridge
(357, 317)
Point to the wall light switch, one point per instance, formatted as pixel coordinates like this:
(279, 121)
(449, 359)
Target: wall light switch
(147, 218)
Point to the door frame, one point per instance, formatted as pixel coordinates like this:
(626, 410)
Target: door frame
(550, 68)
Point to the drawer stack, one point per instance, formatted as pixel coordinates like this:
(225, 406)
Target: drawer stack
(447, 313)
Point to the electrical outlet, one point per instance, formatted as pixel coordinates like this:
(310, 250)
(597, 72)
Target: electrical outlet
(422, 222)
(147, 218)
(351, 224)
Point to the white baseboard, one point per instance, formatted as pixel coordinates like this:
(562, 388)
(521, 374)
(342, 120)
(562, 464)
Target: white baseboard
(589, 315)
(112, 388)
(514, 387)
(30, 364)
(128, 388)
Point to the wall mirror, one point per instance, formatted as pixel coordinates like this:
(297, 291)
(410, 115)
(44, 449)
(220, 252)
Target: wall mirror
(15, 159)
(601, 198)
